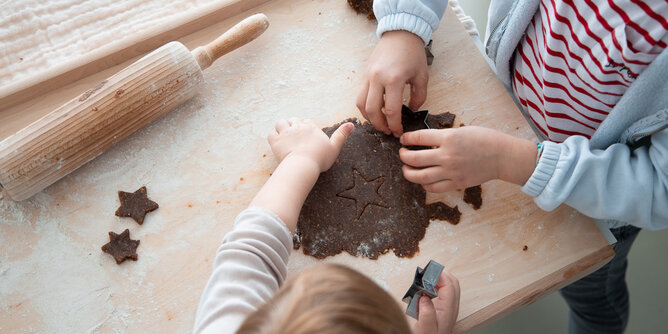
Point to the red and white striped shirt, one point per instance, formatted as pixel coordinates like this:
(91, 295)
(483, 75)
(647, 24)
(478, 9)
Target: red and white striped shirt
(578, 57)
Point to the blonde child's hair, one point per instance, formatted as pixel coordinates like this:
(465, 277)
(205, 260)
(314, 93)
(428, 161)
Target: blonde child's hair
(329, 298)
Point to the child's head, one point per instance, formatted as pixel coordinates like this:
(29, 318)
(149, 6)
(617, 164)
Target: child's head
(329, 298)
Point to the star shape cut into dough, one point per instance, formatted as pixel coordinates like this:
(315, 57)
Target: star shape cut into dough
(121, 247)
(135, 205)
(364, 192)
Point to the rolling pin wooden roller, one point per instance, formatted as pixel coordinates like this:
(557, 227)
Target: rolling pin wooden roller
(83, 128)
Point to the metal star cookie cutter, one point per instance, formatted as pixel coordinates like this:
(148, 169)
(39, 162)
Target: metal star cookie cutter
(413, 120)
(427, 51)
(424, 284)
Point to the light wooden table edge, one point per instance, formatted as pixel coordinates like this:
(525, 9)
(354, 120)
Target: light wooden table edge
(535, 291)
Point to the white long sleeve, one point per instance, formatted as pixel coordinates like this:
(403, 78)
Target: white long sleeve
(250, 265)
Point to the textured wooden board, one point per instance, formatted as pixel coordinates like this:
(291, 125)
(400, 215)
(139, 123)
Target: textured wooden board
(204, 161)
(50, 45)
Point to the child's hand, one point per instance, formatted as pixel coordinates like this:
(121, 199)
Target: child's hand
(397, 60)
(466, 157)
(306, 140)
(439, 315)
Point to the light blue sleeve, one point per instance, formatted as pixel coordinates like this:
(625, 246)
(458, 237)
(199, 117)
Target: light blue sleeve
(613, 184)
(420, 17)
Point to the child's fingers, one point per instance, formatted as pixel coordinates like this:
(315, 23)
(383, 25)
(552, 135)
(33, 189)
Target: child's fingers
(427, 137)
(374, 103)
(361, 99)
(448, 286)
(427, 321)
(418, 91)
(448, 290)
(455, 285)
(427, 175)
(447, 279)
(339, 136)
(418, 158)
(448, 293)
(447, 302)
(281, 125)
(310, 122)
(440, 186)
(272, 135)
(393, 107)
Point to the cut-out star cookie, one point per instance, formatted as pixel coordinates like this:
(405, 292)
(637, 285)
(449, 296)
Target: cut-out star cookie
(364, 192)
(135, 205)
(121, 247)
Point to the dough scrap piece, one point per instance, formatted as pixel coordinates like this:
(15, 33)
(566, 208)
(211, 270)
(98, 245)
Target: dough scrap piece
(442, 211)
(135, 205)
(441, 121)
(363, 7)
(121, 247)
(330, 223)
(473, 196)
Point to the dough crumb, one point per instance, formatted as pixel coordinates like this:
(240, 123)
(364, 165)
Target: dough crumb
(362, 7)
(473, 196)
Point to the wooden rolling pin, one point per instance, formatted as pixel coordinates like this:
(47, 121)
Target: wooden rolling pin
(65, 139)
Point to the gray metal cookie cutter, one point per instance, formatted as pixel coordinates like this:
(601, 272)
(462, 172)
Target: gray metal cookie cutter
(427, 50)
(424, 284)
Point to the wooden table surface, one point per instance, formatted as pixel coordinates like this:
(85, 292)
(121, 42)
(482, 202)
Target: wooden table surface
(204, 161)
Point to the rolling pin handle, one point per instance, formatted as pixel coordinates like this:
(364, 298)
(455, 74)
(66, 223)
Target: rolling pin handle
(240, 34)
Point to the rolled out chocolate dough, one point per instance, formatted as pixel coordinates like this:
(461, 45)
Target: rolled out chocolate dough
(363, 205)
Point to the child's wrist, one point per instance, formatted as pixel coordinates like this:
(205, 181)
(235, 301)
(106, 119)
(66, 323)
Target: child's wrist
(287, 188)
(301, 163)
(403, 34)
(518, 161)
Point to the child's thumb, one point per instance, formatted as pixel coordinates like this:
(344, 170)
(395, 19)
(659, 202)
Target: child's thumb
(427, 322)
(339, 136)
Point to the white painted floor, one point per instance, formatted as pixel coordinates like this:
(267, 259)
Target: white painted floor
(647, 274)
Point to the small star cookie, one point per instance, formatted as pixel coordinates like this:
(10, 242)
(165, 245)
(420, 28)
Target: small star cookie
(135, 205)
(121, 247)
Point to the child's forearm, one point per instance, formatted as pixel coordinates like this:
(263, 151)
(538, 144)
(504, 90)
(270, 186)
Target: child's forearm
(286, 190)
